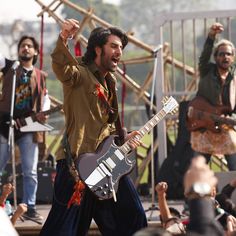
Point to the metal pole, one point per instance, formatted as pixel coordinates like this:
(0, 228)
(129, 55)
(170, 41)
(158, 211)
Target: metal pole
(11, 138)
(153, 206)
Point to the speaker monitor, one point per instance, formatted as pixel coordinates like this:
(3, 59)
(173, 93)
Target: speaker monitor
(46, 176)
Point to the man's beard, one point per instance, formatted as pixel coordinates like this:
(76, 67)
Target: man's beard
(106, 65)
(25, 58)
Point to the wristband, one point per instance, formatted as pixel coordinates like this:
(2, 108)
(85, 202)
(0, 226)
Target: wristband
(199, 190)
(64, 38)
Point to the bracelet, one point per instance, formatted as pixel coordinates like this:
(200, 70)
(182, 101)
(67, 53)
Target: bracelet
(64, 38)
(199, 190)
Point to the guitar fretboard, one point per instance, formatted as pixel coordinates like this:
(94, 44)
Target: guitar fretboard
(216, 118)
(125, 148)
(54, 109)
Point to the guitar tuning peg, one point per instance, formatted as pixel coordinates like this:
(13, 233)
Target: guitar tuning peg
(164, 100)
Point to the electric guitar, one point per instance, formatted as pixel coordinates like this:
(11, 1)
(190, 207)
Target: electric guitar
(102, 170)
(202, 115)
(26, 124)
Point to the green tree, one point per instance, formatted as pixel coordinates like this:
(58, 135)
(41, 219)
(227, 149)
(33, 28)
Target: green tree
(105, 11)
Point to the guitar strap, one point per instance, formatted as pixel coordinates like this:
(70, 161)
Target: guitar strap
(79, 186)
(38, 79)
(69, 159)
(232, 91)
(120, 130)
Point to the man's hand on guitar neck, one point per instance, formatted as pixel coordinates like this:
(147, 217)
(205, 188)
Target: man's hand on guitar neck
(41, 117)
(226, 126)
(133, 139)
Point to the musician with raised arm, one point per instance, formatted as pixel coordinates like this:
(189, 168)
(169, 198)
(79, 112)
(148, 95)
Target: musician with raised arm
(30, 97)
(210, 112)
(91, 109)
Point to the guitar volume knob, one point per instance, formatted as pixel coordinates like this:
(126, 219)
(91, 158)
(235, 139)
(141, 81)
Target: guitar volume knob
(99, 188)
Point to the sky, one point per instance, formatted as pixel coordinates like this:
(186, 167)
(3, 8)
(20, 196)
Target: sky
(12, 10)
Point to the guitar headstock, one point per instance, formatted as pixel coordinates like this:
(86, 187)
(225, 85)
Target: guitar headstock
(170, 105)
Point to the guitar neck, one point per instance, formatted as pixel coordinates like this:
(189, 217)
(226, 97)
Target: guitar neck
(54, 109)
(223, 120)
(125, 148)
(48, 112)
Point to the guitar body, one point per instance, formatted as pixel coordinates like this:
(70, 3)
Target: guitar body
(102, 170)
(25, 124)
(202, 115)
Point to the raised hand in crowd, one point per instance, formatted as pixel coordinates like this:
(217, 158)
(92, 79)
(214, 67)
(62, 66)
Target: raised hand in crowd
(6, 191)
(170, 217)
(215, 29)
(198, 183)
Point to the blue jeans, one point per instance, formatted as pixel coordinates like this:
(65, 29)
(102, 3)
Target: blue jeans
(29, 160)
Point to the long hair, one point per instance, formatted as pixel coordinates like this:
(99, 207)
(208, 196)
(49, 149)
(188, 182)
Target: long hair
(99, 37)
(35, 44)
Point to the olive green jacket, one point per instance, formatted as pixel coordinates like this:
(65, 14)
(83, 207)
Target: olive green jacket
(87, 118)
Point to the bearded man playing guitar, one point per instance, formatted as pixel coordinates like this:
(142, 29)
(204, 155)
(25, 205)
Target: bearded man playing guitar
(30, 97)
(212, 132)
(90, 107)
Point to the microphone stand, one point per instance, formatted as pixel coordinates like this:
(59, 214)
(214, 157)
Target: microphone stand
(153, 205)
(11, 138)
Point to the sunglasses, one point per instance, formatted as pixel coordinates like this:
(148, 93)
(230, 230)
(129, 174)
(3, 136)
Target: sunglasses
(223, 54)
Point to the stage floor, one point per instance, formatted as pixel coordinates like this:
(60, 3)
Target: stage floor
(31, 228)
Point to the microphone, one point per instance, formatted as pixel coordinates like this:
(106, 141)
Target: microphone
(15, 65)
(155, 50)
(158, 48)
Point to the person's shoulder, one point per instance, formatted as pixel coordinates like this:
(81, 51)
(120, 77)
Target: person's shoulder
(42, 72)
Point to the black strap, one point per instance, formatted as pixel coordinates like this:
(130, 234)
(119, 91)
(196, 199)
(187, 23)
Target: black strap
(120, 130)
(66, 146)
(69, 158)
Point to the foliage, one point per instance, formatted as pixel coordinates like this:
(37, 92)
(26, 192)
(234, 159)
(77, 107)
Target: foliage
(147, 11)
(105, 11)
